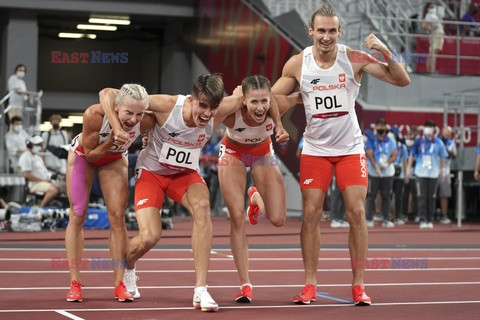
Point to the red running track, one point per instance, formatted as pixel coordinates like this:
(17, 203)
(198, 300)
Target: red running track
(33, 285)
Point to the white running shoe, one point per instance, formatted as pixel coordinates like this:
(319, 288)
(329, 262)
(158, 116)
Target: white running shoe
(388, 224)
(423, 225)
(204, 301)
(335, 224)
(370, 224)
(130, 280)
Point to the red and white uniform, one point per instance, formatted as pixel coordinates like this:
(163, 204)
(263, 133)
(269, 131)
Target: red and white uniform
(174, 148)
(104, 135)
(244, 134)
(329, 98)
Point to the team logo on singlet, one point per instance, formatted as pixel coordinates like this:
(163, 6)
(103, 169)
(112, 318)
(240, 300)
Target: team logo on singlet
(174, 134)
(315, 81)
(268, 127)
(105, 134)
(201, 137)
(341, 77)
(240, 129)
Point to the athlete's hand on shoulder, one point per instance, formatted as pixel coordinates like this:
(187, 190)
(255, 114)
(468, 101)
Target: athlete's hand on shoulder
(372, 42)
(144, 141)
(281, 135)
(238, 91)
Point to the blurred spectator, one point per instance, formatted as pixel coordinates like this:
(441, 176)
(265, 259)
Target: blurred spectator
(400, 164)
(299, 148)
(216, 200)
(445, 186)
(476, 171)
(34, 170)
(429, 153)
(470, 29)
(432, 24)
(410, 188)
(337, 206)
(15, 142)
(381, 153)
(18, 87)
(54, 139)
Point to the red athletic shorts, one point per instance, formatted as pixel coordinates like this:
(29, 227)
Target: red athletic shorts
(316, 172)
(103, 160)
(246, 154)
(150, 187)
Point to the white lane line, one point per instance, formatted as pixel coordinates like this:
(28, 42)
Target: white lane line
(234, 271)
(268, 286)
(68, 315)
(123, 310)
(229, 257)
(254, 249)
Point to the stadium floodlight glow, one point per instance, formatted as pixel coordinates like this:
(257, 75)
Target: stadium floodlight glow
(70, 35)
(123, 22)
(91, 36)
(96, 27)
(76, 119)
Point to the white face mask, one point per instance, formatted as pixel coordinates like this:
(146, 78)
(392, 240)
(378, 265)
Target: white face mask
(409, 142)
(428, 131)
(18, 128)
(391, 135)
(21, 74)
(365, 139)
(432, 10)
(36, 149)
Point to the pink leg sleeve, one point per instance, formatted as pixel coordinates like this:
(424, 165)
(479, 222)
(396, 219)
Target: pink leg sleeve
(79, 189)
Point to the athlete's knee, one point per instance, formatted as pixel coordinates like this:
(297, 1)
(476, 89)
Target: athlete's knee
(149, 238)
(238, 221)
(117, 220)
(310, 211)
(277, 221)
(356, 215)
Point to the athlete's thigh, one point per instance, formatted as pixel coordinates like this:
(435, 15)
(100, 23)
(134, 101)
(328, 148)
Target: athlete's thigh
(351, 170)
(113, 178)
(197, 194)
(149, 221)
(269, 182)
(79, 179)
(232, 176)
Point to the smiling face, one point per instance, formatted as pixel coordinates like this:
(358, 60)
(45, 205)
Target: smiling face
(202, 111)
(257, 102)
(325, 31)
(130, 112)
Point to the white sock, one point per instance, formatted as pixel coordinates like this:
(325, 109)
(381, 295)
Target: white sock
(247, 284)
(200, 289)
(130, 272)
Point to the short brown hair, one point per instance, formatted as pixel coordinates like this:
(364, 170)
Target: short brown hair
(211, 86)
(325, 10)
(55, 116)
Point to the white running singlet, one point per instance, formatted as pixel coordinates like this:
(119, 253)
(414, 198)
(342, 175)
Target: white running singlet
(104, 134)
(174, 148)
(329, 98)
(243, 133)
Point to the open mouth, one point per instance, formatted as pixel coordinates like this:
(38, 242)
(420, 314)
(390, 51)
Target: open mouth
(128, 126)
(202, 120)
(259, 115)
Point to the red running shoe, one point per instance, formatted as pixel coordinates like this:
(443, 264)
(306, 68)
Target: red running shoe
(308, 294)
(75, 293)
(245, 295)
(121, 293)
(253, 210)
(360, 298)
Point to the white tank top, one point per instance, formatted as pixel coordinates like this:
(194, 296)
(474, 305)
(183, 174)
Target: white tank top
(104, 135)
(329, 98)
(243, 133)
(174, 147)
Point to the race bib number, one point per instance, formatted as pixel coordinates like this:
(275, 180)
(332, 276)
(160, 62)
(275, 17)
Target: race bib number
(329, 104)
(177, 156)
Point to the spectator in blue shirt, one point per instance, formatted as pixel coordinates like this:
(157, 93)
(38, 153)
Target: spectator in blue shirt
(400, 164)
(429, 153)
(470, 29)
(381, 152)
(476, 173)
(445, 186)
